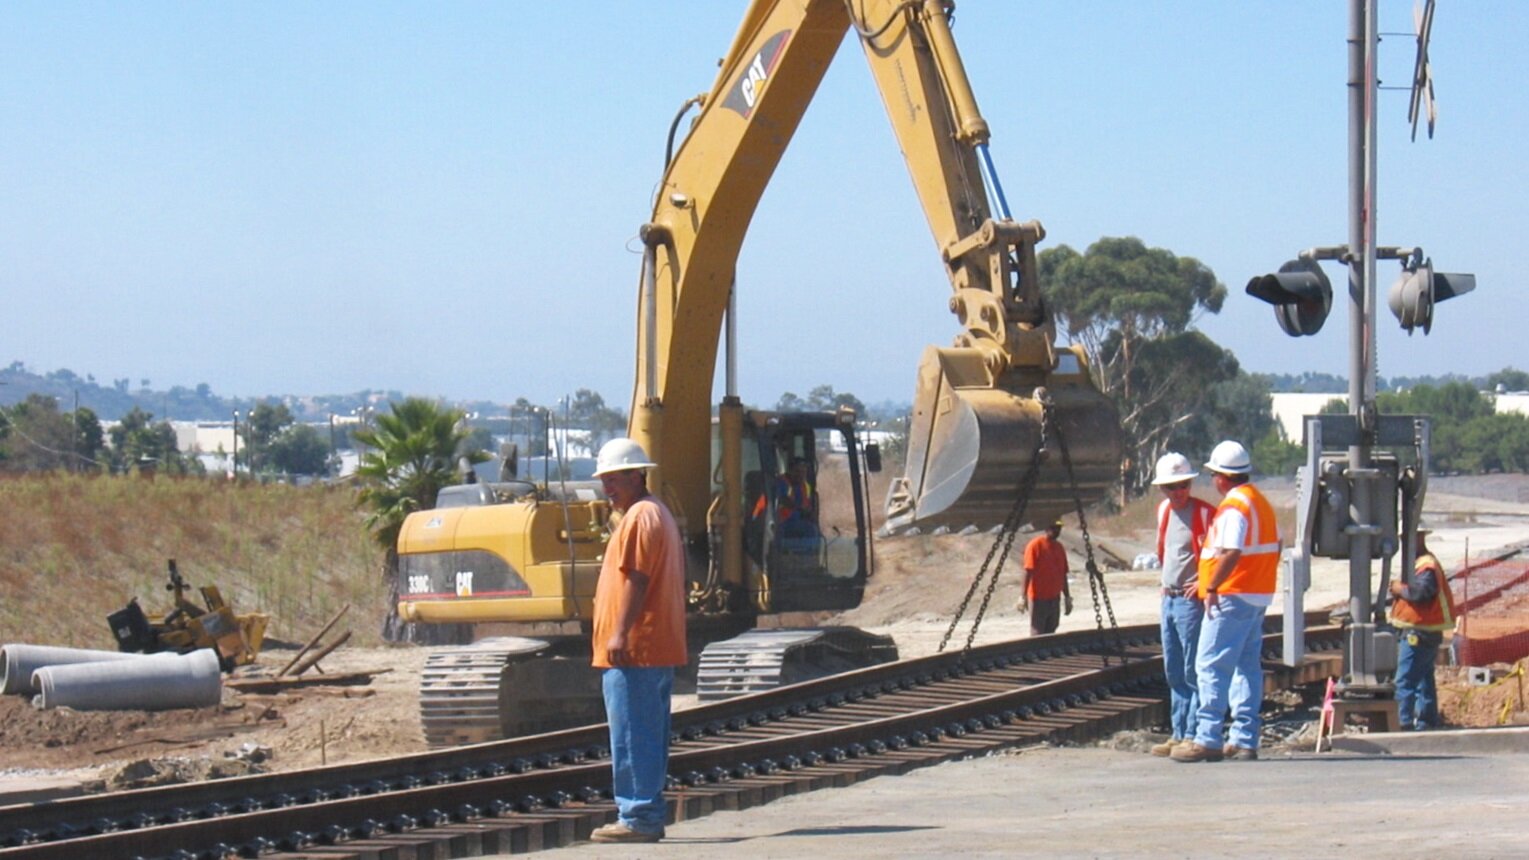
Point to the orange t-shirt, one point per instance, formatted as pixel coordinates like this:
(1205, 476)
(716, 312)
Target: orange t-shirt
(645, 540)
(1046, 559)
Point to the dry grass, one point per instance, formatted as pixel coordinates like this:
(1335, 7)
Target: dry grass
(73, 549)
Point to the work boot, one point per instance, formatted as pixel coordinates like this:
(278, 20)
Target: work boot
(1164, 749)
(1194, 752)
(1242, 754)
(618, 831)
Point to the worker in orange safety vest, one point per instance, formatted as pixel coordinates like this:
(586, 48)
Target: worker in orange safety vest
(795, 504)
(1238, 569)
(1421, 610)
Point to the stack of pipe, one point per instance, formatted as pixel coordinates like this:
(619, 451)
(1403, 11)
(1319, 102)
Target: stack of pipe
(109, 680)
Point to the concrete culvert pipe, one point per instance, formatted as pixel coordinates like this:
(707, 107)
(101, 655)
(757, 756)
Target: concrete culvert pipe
(159, 682)
(20, 661)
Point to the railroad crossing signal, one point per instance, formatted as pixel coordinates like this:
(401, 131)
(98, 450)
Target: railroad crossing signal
(1301, 294)
(1419, 288)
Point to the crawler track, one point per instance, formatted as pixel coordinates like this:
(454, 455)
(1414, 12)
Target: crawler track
(549, 790)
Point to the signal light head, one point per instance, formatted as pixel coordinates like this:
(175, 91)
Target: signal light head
(1301, 294)
(1419, 288)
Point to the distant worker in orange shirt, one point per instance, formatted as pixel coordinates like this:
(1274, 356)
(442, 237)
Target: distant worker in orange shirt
(1043, 583)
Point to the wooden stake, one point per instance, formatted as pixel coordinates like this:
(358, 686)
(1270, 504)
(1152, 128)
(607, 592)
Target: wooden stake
(314, 641)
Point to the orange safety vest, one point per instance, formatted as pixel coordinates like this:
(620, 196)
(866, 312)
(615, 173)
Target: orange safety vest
(797, 497)
(790, 496)
(1436, 614)
(1199, 524)
(1258, 567)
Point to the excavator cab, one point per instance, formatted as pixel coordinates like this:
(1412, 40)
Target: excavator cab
(804, 512)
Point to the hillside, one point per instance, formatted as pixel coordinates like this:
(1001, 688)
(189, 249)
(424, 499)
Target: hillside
(77, 548)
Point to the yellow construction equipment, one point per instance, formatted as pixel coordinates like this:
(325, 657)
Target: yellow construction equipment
(989, 410)
(188, 627)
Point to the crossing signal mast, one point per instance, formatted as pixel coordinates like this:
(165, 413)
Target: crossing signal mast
(1357, 499)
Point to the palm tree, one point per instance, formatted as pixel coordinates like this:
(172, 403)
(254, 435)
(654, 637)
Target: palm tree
(412, 454)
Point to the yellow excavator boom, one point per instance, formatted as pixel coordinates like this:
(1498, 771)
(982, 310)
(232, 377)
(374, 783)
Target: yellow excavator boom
(978, 407)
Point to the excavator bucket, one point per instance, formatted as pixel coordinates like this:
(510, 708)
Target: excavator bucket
(971, 441)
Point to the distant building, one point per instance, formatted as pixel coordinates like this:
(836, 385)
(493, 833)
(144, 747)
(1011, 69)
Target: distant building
(1291, 407)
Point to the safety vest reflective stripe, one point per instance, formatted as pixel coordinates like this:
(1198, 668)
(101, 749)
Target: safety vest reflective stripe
(1436, 614)
(1246, 499)
(1257, 567)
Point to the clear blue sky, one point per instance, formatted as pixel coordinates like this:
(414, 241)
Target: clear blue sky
(306, 198)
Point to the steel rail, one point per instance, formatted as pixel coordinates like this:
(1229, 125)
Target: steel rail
(515, 793)
(518, 754)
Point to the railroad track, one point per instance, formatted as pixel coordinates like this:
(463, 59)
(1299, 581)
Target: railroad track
(549, 790)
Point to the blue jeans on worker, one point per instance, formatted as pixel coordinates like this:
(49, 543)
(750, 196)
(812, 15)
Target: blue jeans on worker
(1181, 636)
(1229, 665)
(1417, 699)
(637, 707)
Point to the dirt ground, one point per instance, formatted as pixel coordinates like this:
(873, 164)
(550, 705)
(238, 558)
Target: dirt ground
(920, 583)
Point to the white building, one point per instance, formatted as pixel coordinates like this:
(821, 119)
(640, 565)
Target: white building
(1291, 407)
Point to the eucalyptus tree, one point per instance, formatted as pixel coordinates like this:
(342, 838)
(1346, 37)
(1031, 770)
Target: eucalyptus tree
(1132, 309)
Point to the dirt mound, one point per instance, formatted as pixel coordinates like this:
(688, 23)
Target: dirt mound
(65, 738)
(149, 773)
(1500, 702)
(300, 728)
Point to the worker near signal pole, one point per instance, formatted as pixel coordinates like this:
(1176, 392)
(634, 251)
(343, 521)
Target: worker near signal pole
(1238, 567)
(639, 637)
(1421, 610)
(1182, 523)
(1043, 590)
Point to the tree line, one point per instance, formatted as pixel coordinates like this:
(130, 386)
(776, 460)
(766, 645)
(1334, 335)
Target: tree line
(1468, 434)
(1132, 307)
(36, 436)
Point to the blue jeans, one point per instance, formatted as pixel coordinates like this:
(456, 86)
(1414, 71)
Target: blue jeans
(1231, 674)
(1417, 700)
(637, 707)
(1181, 636)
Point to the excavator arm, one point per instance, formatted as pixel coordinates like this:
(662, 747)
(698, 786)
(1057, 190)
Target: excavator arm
(979, 416)
(978, 410)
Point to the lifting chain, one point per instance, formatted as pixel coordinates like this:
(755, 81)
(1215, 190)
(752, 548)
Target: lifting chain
(1005, 539)
(1096, 588)
(1003, 544)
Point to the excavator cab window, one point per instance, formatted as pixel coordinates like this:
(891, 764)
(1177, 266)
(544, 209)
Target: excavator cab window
(805, 514)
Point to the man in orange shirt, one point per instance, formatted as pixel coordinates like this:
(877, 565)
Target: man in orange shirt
(639, 637)
(1043, 583)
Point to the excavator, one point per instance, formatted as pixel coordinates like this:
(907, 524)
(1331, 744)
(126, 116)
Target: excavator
(991, 412)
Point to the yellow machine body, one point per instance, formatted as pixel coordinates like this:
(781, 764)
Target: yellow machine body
(526, 561)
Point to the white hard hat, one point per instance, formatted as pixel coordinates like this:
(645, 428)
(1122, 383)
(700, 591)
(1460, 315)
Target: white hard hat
(621, 454)
(1173, 468)
(1230, 458)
